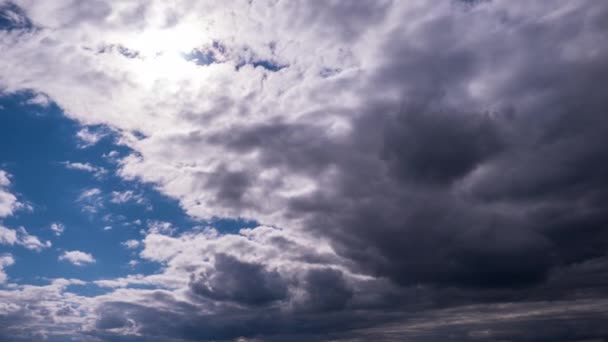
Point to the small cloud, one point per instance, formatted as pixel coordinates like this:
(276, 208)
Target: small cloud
(93, 192)
(160, 227)
(31, 242)
(22, 238)
(39, 99)
(121, 197)
(5, 260)
(133, 263)
(91, 200)
(97, 171)
(4, 180)
(89, 137)
(77, 258)
(106, 228)
(131, 244)
(57, 228)
(8, 201)
(111, 156)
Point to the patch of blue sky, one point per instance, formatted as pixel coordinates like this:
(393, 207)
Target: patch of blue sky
(35, 142)
(12, 17)
(201, 57)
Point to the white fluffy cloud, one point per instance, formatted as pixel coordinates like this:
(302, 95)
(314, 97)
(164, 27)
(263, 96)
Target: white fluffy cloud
(22, 238)
(5, 260)
(77, 258)
(8, 201)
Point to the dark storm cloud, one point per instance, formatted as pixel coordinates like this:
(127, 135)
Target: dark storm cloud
(439, 147)
(231, 186)
(501, 201)
(241, 282)
(433, 189)
(326, 290)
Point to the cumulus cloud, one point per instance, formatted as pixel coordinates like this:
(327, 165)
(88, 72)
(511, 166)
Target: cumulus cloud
(8, 201)
(22, 238)
(413, 158)
(77, 258)
(5, 260)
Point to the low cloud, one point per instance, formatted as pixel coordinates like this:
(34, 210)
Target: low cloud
(77, 258)
(21, 237)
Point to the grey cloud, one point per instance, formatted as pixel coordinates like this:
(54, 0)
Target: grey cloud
(347, 20)
(469, 190)
(439, 147)
(326, 290)
(241, 282)
(479, 182)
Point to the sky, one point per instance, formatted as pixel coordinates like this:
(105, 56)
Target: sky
(290, 171)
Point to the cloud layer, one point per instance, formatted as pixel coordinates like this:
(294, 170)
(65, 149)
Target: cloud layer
(412, 166)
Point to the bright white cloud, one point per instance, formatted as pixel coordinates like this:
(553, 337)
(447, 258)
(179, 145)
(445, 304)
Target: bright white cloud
(5, 260)
(22, 238)
(77, 258)
(8, 201)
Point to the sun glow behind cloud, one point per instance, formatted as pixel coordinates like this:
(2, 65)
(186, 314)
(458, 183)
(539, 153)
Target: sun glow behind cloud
(161, 53)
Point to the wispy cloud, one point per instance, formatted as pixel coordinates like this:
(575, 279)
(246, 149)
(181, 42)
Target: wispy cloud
(97, 171)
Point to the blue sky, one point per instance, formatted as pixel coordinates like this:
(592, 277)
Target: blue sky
(36, 142)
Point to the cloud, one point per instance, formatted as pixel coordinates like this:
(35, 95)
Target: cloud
(8, 201)
(91, 200)
(77, 258)
(5, 260)
(121, 197)
(131, 244)
(22, 238)
(89, 137)
(420, 163)
(97, 171)
(39, 100)
(57, 228)
(239, 281)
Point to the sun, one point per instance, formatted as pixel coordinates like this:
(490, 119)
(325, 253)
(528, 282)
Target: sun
(162, 52)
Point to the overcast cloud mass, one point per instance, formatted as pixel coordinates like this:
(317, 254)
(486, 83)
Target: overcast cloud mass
(284, 170)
